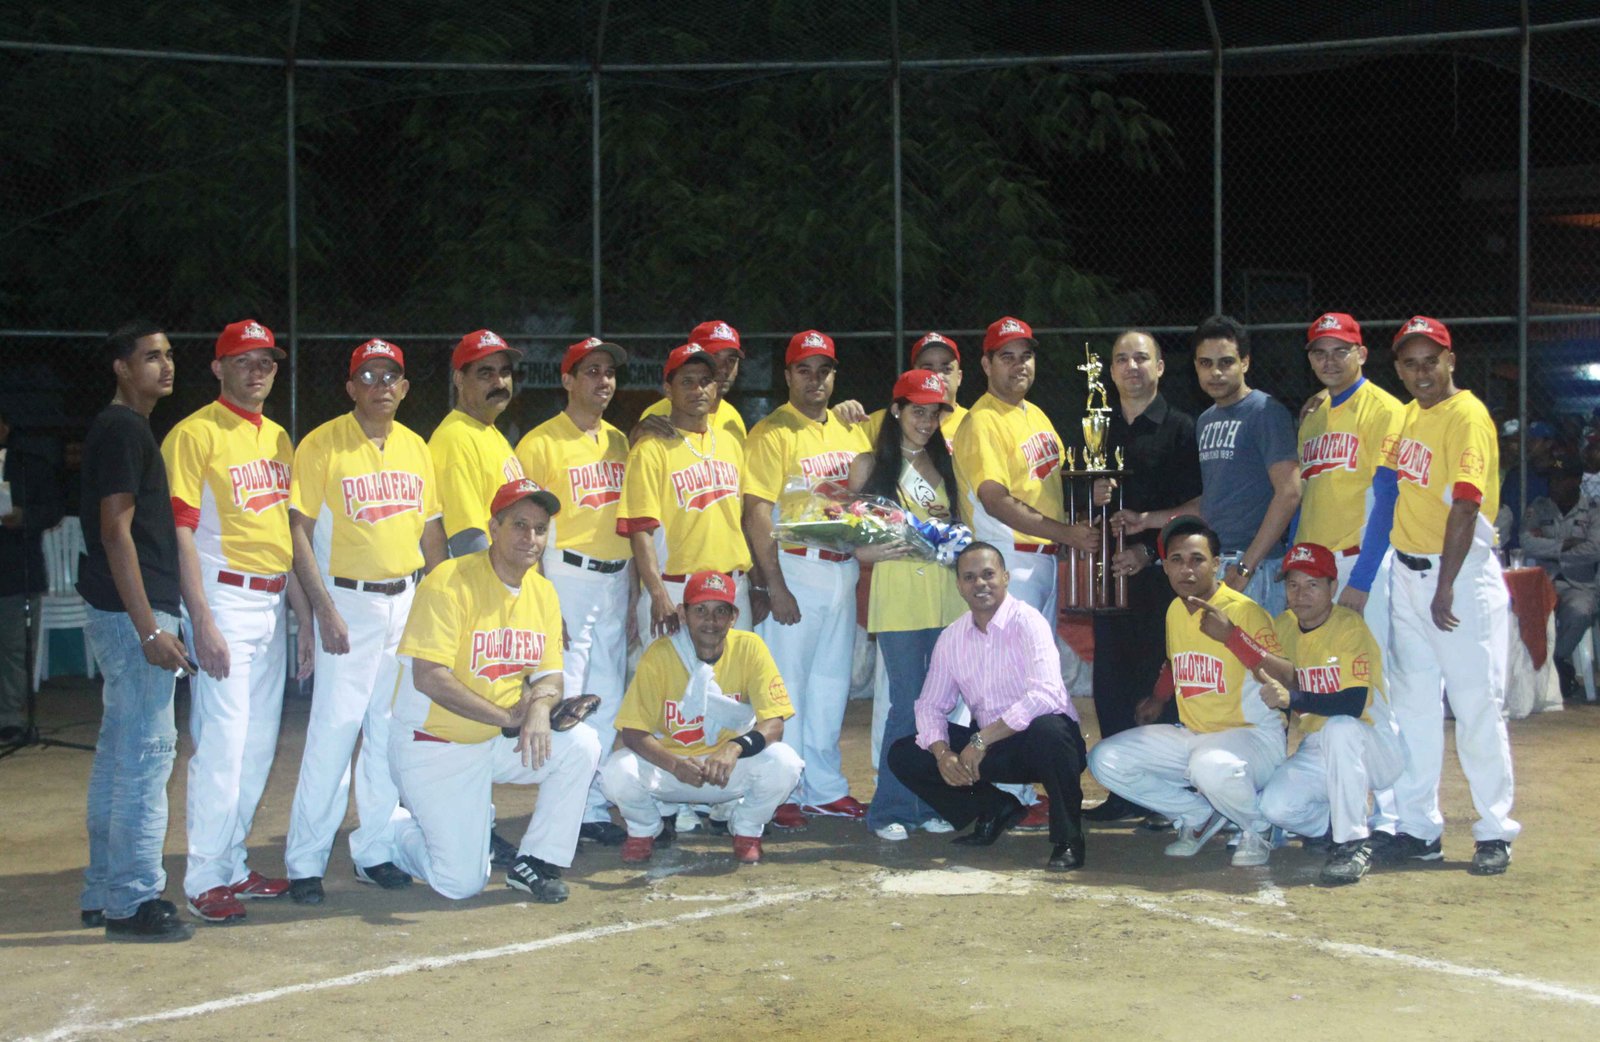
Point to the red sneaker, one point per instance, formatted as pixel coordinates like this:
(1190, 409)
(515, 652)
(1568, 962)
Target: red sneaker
(788, 816)
(257, 887)
(217, 905)
(747, 849)
(843, 807)
(1038, 817)
(636, 850)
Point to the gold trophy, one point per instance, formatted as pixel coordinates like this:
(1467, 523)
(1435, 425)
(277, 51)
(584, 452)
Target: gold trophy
(1097, 419)
(1090, 583)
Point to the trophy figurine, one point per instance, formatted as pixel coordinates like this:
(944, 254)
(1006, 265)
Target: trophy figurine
(1097, 419)
(1091, 585)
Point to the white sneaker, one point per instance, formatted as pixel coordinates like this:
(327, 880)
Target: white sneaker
(937, 825)
(1190, 840)
(688, 820)
(1254, 849)
(893, 831)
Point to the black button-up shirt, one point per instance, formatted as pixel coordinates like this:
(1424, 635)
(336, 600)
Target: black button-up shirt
(1160, 457)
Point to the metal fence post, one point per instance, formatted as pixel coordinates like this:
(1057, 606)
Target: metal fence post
(292, 206)
(1524, 70)
(899, 197)
(1216, 159)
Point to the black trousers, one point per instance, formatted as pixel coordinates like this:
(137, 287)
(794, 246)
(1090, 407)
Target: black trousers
(1050, 751)
(1129, 649)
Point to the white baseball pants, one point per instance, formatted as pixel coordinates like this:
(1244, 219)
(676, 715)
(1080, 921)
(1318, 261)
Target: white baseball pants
(1385, 816)
(449, 787)
(1325, 783)
(594, 607)
(234, 724)
(814, 656)
(757, 786)
(353, 694)
(1185, 776)
(1470, 664)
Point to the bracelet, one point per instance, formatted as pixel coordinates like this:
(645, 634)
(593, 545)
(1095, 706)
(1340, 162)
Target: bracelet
(1244, 569)
(750, 743)
(977, 741)
(153, 635)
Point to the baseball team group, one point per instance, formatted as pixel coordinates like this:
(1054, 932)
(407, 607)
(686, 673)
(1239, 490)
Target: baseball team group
(467, 609)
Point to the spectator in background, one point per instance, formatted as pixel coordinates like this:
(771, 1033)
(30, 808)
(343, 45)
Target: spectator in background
(1591, 470)
(1541, 446)
(31, 501)
(1561, 534)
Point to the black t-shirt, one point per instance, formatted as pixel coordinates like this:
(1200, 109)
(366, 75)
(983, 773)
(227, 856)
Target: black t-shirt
(1161, 457)
(120, 455)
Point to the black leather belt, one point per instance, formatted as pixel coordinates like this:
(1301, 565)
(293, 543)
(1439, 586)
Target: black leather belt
(392, 588)
(1416, 564)
(592, 564)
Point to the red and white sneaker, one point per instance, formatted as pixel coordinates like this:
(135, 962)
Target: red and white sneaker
(788, 816)
(259, 887)
(843, 807)
(636, 850)
(1037, 819)
(747, 850)
(217, 905)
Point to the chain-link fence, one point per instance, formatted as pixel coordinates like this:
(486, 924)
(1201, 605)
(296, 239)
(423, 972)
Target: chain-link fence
(874, 168)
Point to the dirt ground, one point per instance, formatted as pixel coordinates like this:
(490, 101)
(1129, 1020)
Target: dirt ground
(836, 935)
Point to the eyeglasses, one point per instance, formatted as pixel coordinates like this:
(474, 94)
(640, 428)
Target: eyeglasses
(1338, 354)
(379, 377)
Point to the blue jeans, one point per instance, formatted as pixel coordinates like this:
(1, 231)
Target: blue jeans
(906, 656)
(127, 817)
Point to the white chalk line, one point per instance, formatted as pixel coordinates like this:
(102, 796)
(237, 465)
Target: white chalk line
(414, 965)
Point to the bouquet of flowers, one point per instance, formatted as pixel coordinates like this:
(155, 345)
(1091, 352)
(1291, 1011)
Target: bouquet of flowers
(832, 517)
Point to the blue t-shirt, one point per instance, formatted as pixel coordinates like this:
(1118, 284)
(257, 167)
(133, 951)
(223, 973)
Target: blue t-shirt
(1237, 445)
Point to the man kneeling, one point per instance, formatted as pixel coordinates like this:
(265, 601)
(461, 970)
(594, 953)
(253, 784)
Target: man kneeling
(1001, 658)
(702, 722)
(481, 656)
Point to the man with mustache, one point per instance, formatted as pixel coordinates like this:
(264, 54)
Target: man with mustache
(470, 456)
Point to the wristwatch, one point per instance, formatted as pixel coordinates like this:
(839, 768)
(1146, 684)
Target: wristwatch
(977, 741)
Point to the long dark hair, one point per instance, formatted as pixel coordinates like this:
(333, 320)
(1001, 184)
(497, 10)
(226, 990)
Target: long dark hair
(886, 460)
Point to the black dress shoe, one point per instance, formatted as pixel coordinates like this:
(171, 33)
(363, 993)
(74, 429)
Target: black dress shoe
(387, 875)
(307, 891)
(1115, 808)
(988, 829)
(154, 922)
(669, 831)
(92, 917)
(603, 832)
(502, 854)
(1064, 857)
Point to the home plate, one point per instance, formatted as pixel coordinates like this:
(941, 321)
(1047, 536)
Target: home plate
(955, 881)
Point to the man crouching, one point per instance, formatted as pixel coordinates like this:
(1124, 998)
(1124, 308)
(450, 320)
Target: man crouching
(702, 722)
(481, 660)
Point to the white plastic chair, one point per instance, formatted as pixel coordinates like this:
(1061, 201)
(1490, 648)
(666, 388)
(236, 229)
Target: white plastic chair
(1583, 661)
(61, 608)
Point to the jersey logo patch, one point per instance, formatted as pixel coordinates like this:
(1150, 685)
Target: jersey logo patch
(1195, 673)
(826, 466)
(595, 485)
(259, 485)
(1319, 680)
(1360, 668)
(504, 652)
(681, 729)
(703, 484)
(1413, 461)
(1472, 464)
(371, 498)
(1042, 453)
(1335, 450)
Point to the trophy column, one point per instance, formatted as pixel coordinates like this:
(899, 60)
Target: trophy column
(1090, 585)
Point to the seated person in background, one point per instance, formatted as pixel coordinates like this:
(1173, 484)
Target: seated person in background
(481, 655)
(1561, 534)
(702, 722)
(1336, 693)
(1001, 658)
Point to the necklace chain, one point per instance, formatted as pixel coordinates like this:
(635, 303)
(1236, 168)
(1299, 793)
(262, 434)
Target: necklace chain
(710, 452)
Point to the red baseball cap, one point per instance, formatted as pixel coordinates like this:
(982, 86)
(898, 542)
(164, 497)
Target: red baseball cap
(809, 344)
(520, 489)
(934, 340)
(376, 349)
(709, 586)
(1422, 325)
(480, 343)
(1334, 324)
(716, 336)
(584, 348)
(1004, 330)
(1313, 559)
(690, 352)
(921, 387)
(249, 335)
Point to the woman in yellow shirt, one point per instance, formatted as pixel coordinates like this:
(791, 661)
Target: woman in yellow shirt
(911, 600)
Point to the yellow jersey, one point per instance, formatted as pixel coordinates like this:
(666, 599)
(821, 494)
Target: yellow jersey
(1341, 447)
(687, 490)
(725, 418)
(654, 702)
(1441, 450)
(490, 636)
(1017, 447)
(1214, 690)
(787, 444)
(472, 460)
(235, 472)
(369, 504)
(915, 595)
(948, 426)
(1338, 654)
(585, 474)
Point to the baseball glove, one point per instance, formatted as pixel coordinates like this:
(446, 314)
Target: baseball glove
(568, 713)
